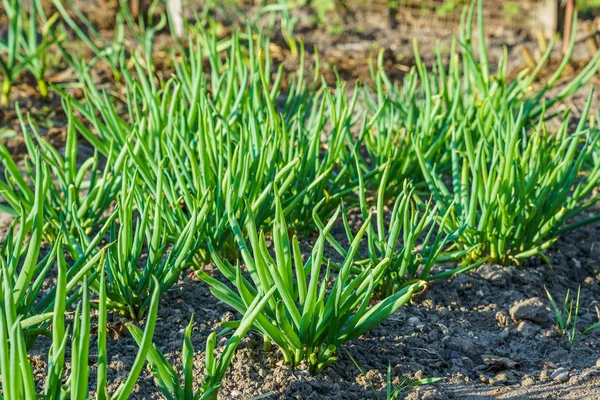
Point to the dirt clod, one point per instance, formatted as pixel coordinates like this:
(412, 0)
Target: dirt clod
(532, 309)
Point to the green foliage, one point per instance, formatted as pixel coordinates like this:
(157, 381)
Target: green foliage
(228, 133)
(588, 5)
(423, 109)
(566, 317)
(393, 391)
(411, 240)
(312, 312)
(113, 52)
(78, 197)
(514, 190)
(25, 46)
(131, 272)
(230, 154)
(24, 266)
(61, 382)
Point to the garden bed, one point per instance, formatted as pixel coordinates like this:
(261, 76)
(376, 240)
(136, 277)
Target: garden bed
(487, 333)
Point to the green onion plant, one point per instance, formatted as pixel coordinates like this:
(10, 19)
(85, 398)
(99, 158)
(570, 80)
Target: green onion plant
(515, 189)
(18, 379)
(25, 264)
(412, 239)
(566, 317)
(227, 132)
(26, 45)
(313, 311)
(112, 52)
(461, 86)
(79, 195)
(141, 253)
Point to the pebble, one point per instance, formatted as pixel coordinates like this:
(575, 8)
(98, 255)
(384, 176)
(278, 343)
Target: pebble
(502, 318)
(527, 381)
(500, 379)
(414, 321)
(550, 333)
(560, 375)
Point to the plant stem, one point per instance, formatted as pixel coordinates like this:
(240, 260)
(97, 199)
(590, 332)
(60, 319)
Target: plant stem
(43, 88)
(6, 86)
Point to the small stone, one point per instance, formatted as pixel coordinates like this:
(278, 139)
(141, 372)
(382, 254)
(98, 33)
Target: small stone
(560, 375)
(500, 379)
(550, 333)
(544, 375)
(532, 310)
(598, 363)
(414, 321)
(527, 381)
(495, 274)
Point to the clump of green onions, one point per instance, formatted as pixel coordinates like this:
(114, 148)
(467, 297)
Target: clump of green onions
(79, 197)
(229, 132)
(25, 48)
(515, 189)
(412, 239)
(23, 273)
(141, 253)
(312, 312)
(18, 380)
(462, 86)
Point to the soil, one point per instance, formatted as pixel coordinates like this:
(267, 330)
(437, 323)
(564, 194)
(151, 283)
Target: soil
(489, 333)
